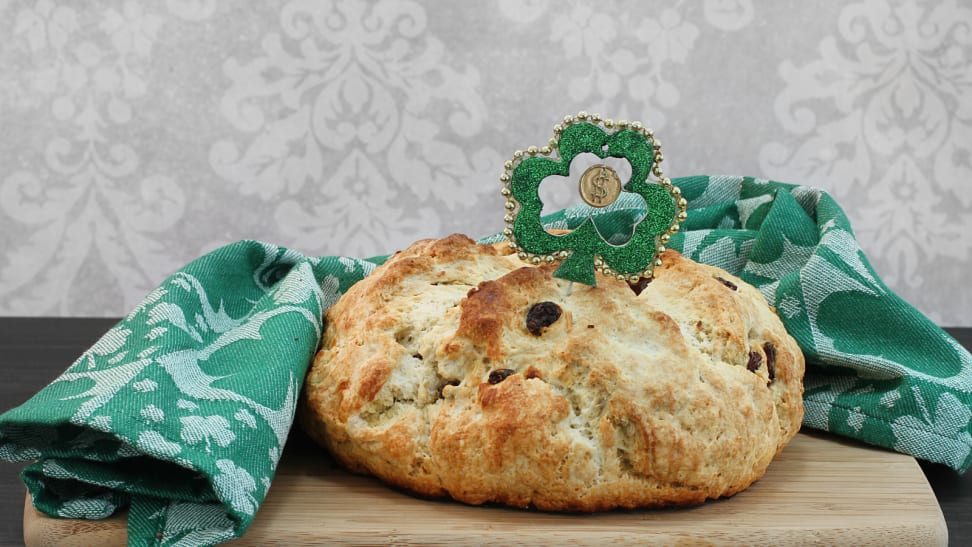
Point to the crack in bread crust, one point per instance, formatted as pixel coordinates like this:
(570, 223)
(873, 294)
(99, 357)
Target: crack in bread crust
(432, 377)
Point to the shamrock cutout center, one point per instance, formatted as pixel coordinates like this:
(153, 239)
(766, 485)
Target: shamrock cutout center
(595, 186)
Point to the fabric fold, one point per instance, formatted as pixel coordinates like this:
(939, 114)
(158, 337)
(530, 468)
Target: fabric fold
(182, 409)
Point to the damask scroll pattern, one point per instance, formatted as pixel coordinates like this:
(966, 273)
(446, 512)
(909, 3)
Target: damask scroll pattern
(882, 117)
(135, 132)
(76, 190)
(361, 100)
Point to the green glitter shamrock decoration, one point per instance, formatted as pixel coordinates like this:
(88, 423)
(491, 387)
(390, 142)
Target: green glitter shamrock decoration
(584, 250)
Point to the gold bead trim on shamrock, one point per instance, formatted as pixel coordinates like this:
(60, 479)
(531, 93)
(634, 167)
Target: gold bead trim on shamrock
(596, 198)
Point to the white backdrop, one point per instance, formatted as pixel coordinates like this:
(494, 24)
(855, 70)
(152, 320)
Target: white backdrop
(135, 136)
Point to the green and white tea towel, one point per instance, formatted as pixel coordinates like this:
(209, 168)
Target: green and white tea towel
(182, 409)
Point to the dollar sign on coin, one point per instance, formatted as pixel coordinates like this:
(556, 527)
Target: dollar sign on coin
(599, 186)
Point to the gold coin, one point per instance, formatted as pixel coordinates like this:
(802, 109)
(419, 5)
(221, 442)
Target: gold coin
(599, 186)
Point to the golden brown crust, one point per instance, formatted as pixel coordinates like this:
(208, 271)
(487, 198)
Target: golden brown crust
(439, 374)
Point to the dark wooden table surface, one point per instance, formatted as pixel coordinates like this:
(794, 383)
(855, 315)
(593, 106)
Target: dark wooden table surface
(34, 351)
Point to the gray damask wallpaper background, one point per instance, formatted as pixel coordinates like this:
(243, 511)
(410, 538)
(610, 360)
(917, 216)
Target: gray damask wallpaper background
(137, 135)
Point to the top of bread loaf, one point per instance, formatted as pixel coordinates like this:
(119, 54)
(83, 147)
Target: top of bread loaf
(453, 369)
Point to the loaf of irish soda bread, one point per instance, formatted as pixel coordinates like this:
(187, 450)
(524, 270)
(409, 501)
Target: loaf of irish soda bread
(456, 370)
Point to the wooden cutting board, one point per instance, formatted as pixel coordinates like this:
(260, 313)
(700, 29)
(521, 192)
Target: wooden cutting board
(821, 490)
